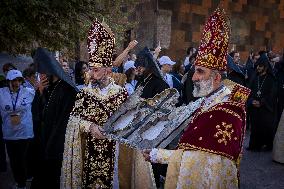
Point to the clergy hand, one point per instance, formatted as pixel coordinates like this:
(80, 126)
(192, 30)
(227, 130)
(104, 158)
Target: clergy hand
(146, 154)
(97, 132)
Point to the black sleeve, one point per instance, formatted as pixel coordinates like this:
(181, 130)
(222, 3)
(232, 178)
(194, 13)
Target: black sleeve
(270, 98)
(37, 107)
(65, 103)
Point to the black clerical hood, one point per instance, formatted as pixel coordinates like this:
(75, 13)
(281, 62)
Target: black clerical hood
(233, 66)
(46, 63)
(263, 60)
(146, 59)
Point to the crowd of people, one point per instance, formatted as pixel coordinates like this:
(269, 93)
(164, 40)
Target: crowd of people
(45, 108)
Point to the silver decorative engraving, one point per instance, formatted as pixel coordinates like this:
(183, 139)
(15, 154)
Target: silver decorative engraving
(150, 123)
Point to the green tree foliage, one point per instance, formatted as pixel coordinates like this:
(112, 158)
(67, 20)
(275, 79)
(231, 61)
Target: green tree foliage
(57, 24)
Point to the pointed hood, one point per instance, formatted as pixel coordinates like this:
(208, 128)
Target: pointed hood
(101, 43)
(263, 60)
(213, 48)
(46, 63)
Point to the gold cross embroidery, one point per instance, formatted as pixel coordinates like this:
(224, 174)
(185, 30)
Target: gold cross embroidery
(225, 131)
(239, 97)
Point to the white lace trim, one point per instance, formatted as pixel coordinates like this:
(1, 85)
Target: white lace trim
(154, 155)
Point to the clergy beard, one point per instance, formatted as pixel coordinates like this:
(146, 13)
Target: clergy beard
(261, 71)
(101, 83)
(203, 88)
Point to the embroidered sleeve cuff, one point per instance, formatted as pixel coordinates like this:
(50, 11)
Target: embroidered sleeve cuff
(160, 155)
(164, 155)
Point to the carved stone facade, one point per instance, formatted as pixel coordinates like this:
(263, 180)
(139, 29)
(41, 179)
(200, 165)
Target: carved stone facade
(178, 24)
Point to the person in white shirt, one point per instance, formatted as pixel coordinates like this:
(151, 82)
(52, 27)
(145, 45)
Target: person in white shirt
(166, 67)
(15, 109)
(130, 71)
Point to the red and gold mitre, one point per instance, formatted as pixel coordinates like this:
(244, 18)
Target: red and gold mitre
(213, 49)
(100, 45)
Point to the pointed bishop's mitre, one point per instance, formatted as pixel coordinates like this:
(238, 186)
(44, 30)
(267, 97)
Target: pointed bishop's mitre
(213, 48)
(100, 45)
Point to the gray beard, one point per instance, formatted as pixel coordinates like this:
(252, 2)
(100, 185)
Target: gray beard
(203, 88)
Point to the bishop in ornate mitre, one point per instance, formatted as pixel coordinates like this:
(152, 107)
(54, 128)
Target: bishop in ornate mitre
(210, 149)
(89, 157)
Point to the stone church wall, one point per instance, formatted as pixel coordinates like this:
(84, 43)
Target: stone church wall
(178, 24)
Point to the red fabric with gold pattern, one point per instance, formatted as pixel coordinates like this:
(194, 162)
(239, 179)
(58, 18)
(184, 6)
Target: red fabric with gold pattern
(101, 43)
(219, 130)
(239, 94)
(213, 49)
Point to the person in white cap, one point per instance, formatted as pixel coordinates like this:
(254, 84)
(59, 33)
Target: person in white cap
(166, 67)
(130, 71)
(15, 107)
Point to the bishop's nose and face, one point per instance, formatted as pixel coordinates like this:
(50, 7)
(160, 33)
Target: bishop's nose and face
(97, 73)
(205, 81)
(201, 74)
(100, 74)
(202, 82)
